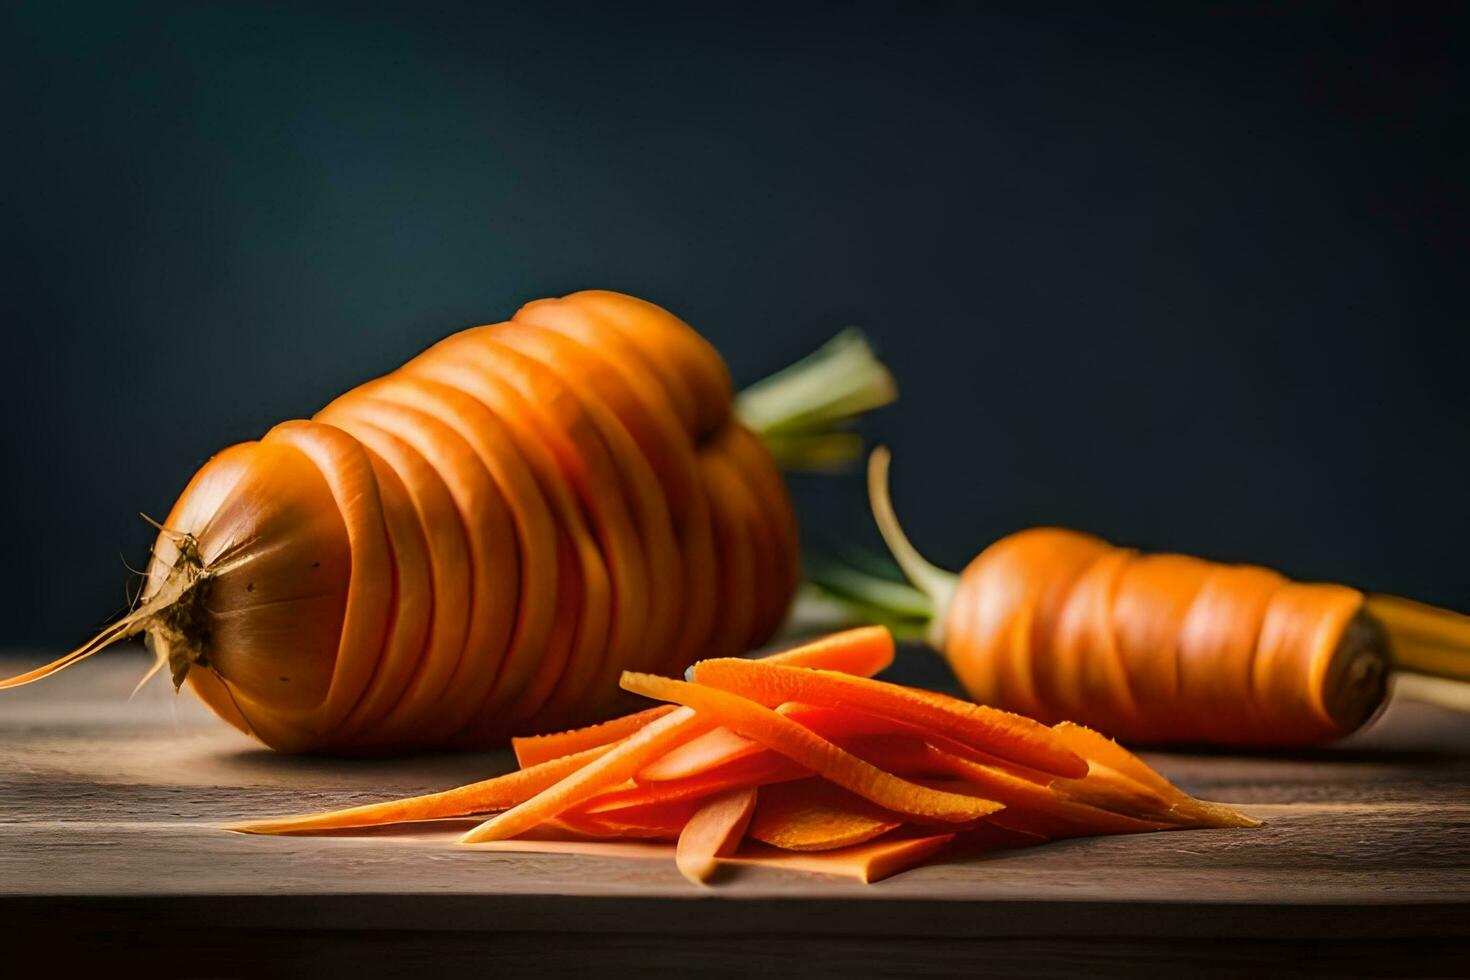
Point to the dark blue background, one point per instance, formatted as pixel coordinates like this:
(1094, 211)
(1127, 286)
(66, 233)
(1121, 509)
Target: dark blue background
(1192, 277)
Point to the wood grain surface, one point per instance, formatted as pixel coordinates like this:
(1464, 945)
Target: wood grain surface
(111, 855)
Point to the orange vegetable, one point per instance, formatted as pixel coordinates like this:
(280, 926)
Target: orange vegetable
(1022, 797)
(1057, 624)
(475, 545)
(780, 734)
(868, 862)
(486, 796)
(712, 750)
(815, 815)
(835, 789)
(540, 748)
(1001, 732)
(756, 770)
(861, 648)
(715, 831)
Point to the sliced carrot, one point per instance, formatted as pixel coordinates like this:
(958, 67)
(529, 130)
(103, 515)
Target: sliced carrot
(1115, 765)
(868, 862)
(861, 652)
(996, 783)
(1008, 735)
(486, 796)
(711, 750)
(714, 831)
(746, 717)
(658, 821)
(757, 770)
(721, 746)
(815, 815)
(867, 648)
(535, 749)
(615, 766)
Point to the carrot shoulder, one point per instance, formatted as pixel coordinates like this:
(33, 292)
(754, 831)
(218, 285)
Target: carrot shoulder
(780, 734)
(1011, 736)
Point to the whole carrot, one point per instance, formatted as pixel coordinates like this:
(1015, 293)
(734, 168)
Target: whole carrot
(1155, 648)
(477, 544)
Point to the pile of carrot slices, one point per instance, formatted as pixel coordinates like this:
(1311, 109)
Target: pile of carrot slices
(800, 760)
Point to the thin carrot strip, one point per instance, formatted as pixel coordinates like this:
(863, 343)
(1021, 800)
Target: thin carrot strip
(713, 832)
(861, 652)
(615, 766)
(485, 796)
(746, 717)
(815, 815)
(534, 749)
(1111, 758)
(713, 749)
(1016, 793)
(1011, 736)
(759, 770)
(867, 863)
(866, 648)
(663, 821)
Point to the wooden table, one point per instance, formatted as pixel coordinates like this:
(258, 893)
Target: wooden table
(111, 858)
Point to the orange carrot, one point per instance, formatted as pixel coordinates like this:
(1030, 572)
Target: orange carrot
(474, 545)
(616, 765)
(815, 815)
(1017, 793)
(651, 821)
(999, 732)
(757, 770)
(1058, 625)
(535, 749)
(713, 749)
(715, 831)
(748, 718)
(486, 796)
(869, 862)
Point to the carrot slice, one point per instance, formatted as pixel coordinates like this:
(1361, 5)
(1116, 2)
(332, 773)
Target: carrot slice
(1110, 757)
(722, 747)
(714, 831)
(711, 750)
(663, 821)
(815, 815)
(867, 863)
(994, 782)
(536, 749)
(746, 717)
(617, 765)
(861, 652)
(1011, 736)
(868, 648)
(485, 796)
(757, 770)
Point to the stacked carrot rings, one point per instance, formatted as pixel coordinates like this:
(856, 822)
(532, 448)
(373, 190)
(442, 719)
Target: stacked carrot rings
(531, 508)
(1152, 648)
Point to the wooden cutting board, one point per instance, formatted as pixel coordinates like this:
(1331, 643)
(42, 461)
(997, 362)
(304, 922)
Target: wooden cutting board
(111, 857)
